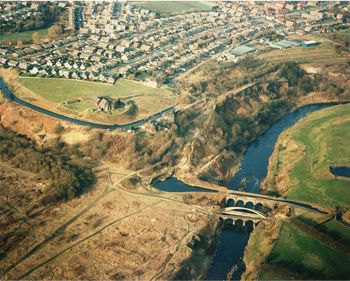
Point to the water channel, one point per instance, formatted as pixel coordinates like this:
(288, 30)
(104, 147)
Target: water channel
(253, 170)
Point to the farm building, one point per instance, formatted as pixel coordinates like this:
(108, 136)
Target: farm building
(310, 43)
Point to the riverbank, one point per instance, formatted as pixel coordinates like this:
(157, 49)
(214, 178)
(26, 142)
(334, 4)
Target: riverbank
(321, 134)
(254, 169)
(303, 154)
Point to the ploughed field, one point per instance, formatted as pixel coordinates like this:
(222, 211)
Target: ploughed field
(300, 165)
(324, 53)
(75, 98)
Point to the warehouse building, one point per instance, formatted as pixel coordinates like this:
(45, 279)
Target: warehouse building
(284, 44)
(242, 50)
(310, 43)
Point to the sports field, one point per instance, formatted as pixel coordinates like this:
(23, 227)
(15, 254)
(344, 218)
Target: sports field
(300, 163)
(177, 7)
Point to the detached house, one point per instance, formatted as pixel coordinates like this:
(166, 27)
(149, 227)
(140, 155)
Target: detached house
(75, 75)
(34, 70)
(12, 63)
(23, 65)
(64, 73)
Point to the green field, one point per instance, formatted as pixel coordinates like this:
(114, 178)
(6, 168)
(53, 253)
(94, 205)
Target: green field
(320, 140)
(337, 231)
(175, 7)
(304, 255)
(24, 35)
(51, 93)
(59, 90)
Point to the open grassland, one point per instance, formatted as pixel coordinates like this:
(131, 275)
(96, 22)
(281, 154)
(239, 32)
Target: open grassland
(178, 7)
(24, 35)
(51, 93)
(323, 53)
(337, 231)
(299, 166)
(260, 244)
(59, 90)
(311, 217)
(302, 254)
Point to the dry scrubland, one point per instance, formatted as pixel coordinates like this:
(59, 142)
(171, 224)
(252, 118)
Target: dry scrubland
(108, 233)
(116, 230)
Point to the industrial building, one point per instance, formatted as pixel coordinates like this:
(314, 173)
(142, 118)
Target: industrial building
(284, 44)
(310, 43)
(242, 50)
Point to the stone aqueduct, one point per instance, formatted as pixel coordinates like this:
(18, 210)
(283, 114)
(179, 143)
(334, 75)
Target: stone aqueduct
(250, 201)
(236, 203)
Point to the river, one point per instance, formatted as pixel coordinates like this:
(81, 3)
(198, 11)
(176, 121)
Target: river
(253, 169)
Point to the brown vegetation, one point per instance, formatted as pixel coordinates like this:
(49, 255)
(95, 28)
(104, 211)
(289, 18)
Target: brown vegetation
(67, 179)
(235, 120)
(260, 244)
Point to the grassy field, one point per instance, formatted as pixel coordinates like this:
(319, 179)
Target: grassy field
(25, 35)
(304, 154)
(178, 7)
(59, 90)
(322, 53)
(311, 217)
(52, 92)
(337, 231)
(303, 254)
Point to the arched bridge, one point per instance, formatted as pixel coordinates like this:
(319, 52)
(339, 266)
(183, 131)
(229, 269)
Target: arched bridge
(241, 216)
(252, 202)
(241, 211)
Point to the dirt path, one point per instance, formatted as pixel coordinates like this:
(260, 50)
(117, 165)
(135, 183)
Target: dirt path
(83, 240)
(62, 228)
(6, 166)
(112, 187)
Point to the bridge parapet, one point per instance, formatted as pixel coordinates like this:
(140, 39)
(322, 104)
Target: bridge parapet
(254, 201)
(231, 219)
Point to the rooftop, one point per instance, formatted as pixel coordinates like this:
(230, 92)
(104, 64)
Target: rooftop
(242, 50)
